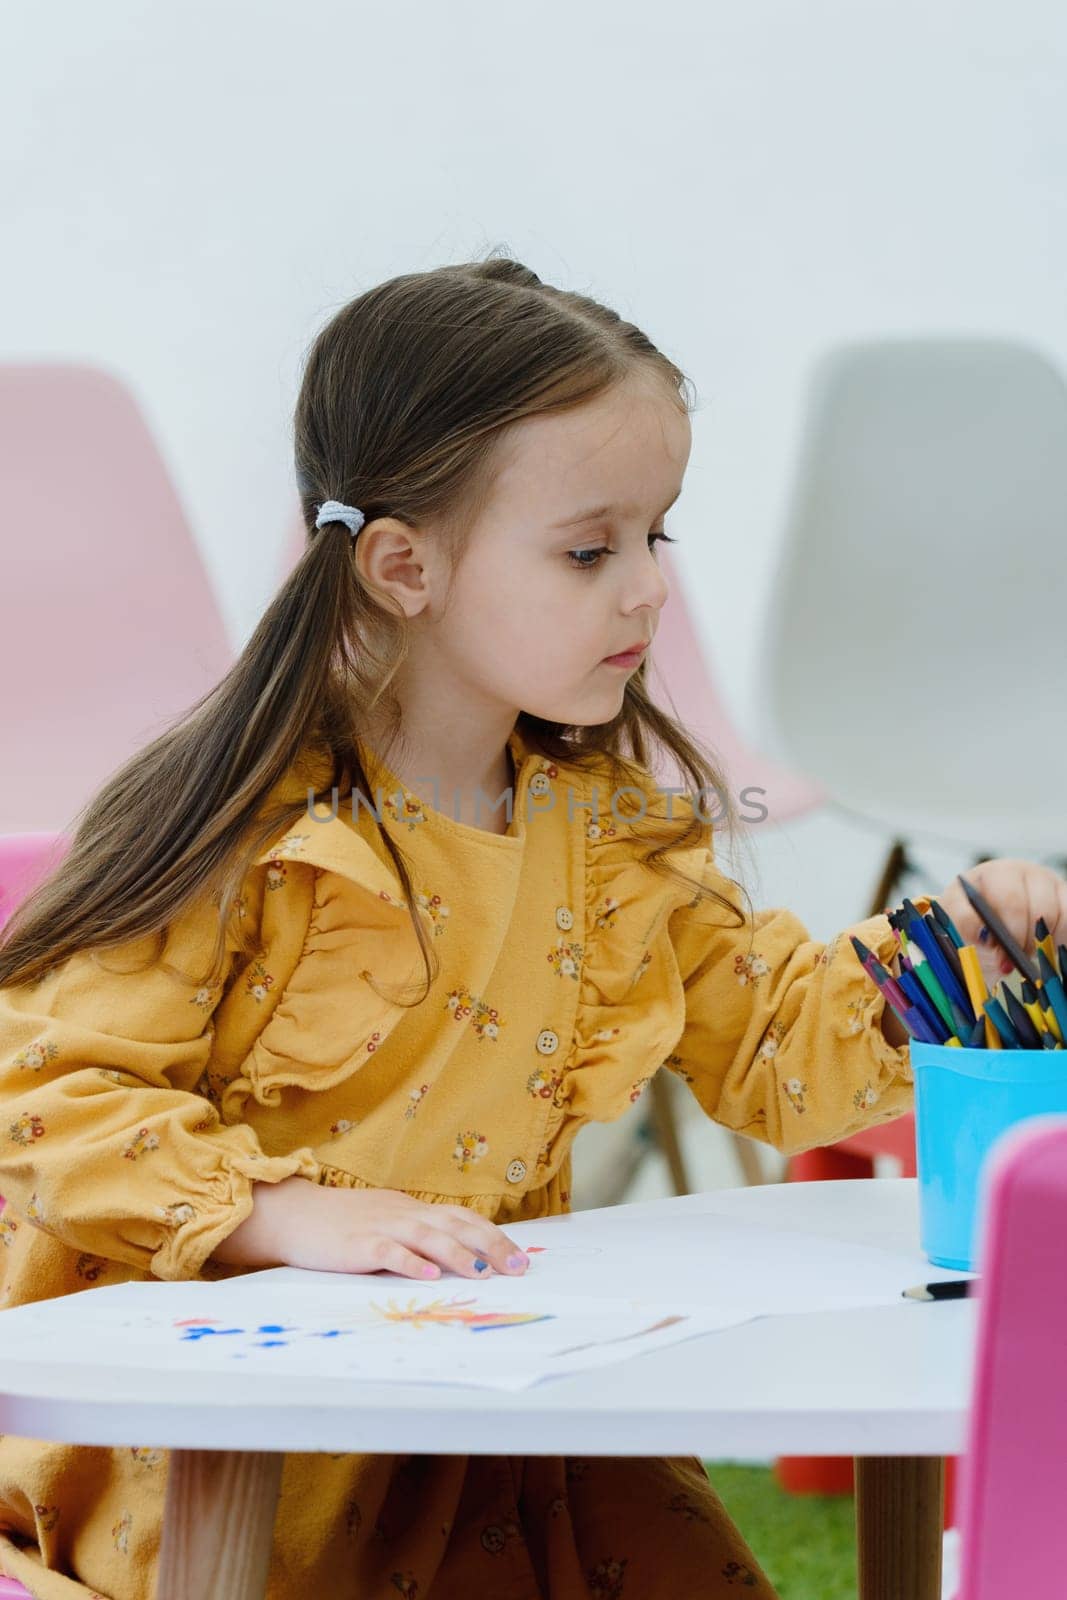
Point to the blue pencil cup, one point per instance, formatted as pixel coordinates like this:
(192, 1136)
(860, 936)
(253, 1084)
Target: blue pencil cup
(964, 1100)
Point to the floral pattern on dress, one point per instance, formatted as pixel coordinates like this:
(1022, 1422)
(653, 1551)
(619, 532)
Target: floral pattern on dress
(772, 1038)
(565, 959)
(639, 1088)
(829, 951)
(486, 1021)
(642, 967)
(544, 1084)
(8, 1229)
(204, 997)
(866, 1097)
(342, 1126)
(177, 1213)
(89, 1266)
(415, 1099)
(600, 830)
(26, 1129)
(291, 846)
(748, 968)
(740, 1572)
(676, 1064)
(606, 1579)
(47, 1516)
(604, 917)
(258, 982)
(35, 1211)
(143, 1141)
(794, 1092)
(120, 1533)
(146, 1455)
(857, 1012)
(470, 1147)
(687, 1507)
(277, 873)
(37, 1054)
(410, 811)
(437, 911)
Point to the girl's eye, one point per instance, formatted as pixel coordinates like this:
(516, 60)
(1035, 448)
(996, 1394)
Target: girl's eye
(575, 556)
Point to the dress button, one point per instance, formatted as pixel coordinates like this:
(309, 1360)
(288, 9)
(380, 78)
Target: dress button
(564, 917)
(547, 1041)
(516, 1171)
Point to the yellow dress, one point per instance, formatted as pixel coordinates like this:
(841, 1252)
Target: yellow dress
(136, 1112)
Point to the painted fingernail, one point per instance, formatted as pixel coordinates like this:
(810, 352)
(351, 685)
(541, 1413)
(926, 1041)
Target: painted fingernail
(480, 1266)
(514, 1262)
(429, 1272)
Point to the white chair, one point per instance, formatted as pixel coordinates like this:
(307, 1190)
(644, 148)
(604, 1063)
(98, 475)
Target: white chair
(915, 653)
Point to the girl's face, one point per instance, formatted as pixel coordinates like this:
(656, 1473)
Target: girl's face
(561, 569)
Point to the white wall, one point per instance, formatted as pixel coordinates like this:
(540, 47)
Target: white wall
(189, 189)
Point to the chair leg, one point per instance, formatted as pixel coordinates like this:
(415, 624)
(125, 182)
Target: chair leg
(747, 1159)
(665, 1128)
(896, 864)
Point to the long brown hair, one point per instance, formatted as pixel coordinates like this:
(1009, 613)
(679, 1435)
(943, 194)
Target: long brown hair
(405, 394)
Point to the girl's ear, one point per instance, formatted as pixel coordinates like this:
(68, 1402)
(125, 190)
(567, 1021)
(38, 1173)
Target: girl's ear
(395, 559)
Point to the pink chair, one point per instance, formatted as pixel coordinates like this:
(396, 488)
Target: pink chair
(1013, 1480)
(25, 860)
(109, 620)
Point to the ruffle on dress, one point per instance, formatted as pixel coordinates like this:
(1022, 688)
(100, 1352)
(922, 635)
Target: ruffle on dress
(631, 1005)
(321, 882)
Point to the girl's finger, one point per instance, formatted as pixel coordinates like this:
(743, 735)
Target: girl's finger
(437, 1245)
(487, 1237)
(389, 1255)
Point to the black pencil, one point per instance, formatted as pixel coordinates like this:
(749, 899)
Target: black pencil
(951, 1289)
(999, 931)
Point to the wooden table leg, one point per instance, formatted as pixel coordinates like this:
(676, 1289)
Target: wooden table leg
(900, 1504)
(218, 1524)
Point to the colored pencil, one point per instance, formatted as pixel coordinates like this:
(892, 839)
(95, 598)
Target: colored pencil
(938, 911)
(920, 934)
(976, 988)
(1000, 933)
(1021, 1021)
(1053, 990)
(1002, 1023)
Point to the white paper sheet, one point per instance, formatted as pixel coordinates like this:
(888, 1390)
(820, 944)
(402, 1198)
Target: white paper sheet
(501, 1334)
(601, 1287)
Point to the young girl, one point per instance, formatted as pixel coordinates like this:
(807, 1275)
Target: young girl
(249, 1021)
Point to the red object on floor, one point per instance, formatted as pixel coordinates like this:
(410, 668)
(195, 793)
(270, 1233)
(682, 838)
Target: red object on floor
(854, 1157)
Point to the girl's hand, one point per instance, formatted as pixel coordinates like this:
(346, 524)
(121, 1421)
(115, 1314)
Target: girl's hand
(1019, 892)
(297, 1223)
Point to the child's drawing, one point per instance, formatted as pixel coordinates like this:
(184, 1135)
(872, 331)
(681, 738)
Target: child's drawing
(457, 1313)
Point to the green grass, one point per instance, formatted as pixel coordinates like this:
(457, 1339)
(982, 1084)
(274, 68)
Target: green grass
(806, 1543)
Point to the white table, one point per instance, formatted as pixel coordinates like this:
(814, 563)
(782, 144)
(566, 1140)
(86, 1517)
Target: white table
(888, 1385)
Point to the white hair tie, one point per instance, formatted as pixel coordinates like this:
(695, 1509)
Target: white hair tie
(334, 511)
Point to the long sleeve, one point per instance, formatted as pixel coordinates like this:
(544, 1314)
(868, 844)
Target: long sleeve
(783, 1037)
(105, 1140)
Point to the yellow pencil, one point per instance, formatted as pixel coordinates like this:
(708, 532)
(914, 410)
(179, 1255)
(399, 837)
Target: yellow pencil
(1046, 942)
(977, 992)
(1036, 1015)
(1054, 1027)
